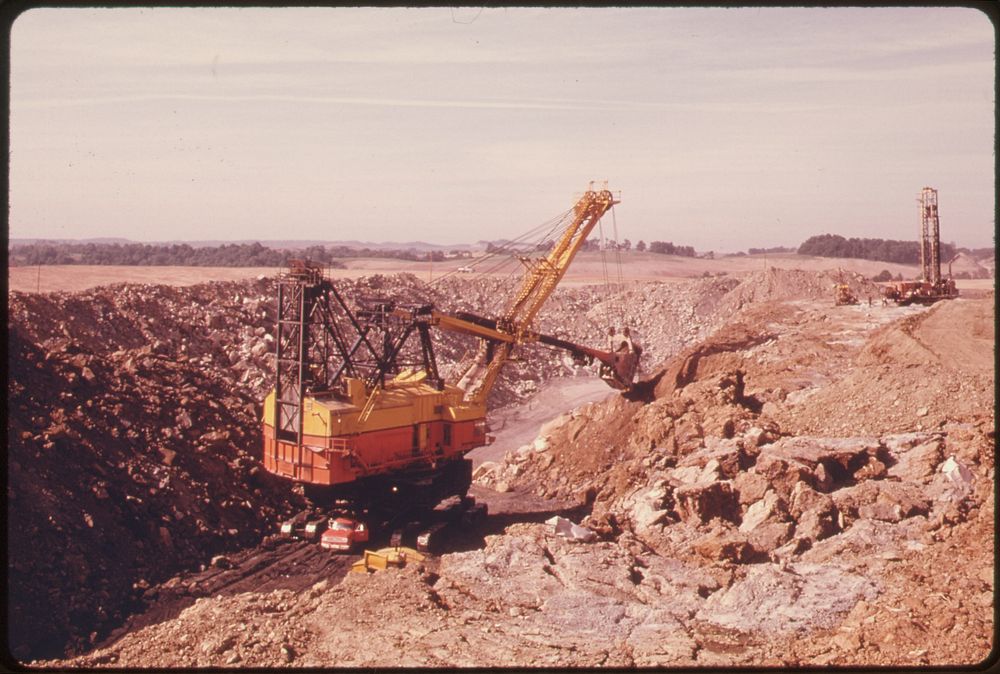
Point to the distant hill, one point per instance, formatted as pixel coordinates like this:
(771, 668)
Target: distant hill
(284, 244)
(100, 239)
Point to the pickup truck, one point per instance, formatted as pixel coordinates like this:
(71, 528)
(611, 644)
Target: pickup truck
(343, 533)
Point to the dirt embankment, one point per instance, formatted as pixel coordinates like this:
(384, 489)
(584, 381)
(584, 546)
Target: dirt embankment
(132, 449)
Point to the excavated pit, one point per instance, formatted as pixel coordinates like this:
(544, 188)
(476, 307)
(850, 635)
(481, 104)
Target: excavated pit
(748, 464)
(134, 441)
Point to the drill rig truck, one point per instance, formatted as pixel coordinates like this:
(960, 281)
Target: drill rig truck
(360, 414)
(931, 287)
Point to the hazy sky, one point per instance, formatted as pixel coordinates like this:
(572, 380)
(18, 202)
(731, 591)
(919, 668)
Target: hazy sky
(722, 128)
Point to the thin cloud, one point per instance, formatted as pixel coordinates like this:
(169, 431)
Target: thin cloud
(552, 104)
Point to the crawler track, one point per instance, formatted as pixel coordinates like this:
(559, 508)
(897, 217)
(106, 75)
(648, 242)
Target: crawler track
(272, 565)
(293, 564)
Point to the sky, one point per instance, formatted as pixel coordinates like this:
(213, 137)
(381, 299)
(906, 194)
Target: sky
(722, 128)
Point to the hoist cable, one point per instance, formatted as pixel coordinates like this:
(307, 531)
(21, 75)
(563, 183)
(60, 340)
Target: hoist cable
(621, 279)
(509, 247)
(607, 283)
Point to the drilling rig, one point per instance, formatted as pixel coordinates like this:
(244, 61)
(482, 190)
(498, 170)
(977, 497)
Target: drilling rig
(931, 287)
(360, 413)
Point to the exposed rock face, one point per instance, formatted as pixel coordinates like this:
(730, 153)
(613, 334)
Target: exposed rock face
(773, 601)
(132, 451)
(706, 471)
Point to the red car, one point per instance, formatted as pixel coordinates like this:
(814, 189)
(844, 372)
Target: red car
(343, 534)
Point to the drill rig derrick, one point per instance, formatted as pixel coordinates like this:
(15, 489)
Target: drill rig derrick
(931, 287)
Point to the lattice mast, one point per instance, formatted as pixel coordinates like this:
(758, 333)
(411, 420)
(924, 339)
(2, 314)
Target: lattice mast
(321, 342)
(930, 236)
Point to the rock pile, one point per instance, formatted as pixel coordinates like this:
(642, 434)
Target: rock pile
(712, 466)
(132, 450)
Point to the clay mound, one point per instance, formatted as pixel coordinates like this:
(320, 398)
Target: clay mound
(966, 266)
(959, 335)
(783, 284)
(707, 357)
(933, 368)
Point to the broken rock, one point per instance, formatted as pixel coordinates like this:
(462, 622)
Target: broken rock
(721, 456)
(959, 475)
(699, 503)
(724, 547)
(780, 601)
(574, 532)
(916, 456)
(772, 508)
(647, 510)
(751, 486)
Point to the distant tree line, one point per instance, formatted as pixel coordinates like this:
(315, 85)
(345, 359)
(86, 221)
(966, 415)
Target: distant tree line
(226, 255)
(393, 253)
(979, 253)
(885, 250)
(667, 248)
(768, 251)
(258, 255)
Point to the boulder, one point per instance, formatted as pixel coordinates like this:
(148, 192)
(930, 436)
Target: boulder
(817, 522)
(783, 473)
(915, 462)
(842, 459)
(727, 455)
(815, 513)
(567, 529)
(770, 509)
(881, 500)
(958, 473)
(484, 469)
(731, 548)
(769, 536)
(647, 509)
(699, 503)
(804, 497)
(686, 475)
(751, 486)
